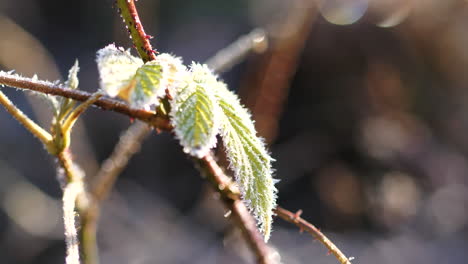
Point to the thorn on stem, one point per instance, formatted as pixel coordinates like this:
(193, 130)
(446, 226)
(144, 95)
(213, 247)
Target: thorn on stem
(297, 215)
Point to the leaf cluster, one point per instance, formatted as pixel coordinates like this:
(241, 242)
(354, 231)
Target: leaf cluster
(201, 108)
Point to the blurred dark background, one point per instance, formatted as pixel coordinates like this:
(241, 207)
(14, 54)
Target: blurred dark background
(364, 103)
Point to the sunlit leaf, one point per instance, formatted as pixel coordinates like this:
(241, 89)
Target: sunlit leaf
(117, 68)
(141, 84)
(248, 158)
(194, 112)
(154, 77)
(72, 81)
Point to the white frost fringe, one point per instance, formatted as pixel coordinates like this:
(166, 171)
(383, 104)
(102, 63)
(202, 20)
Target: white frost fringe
(70, 194)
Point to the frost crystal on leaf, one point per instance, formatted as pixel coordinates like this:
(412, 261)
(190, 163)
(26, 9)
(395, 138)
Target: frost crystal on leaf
(153, 78)
(248, 158)
(195, 112)
(117, 68)
(73, 81)
(174, 72)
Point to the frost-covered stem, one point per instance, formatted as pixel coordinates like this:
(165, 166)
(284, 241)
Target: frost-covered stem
(71, 191)
(156, 120)
(128, 145)
(30, 125)
(65, 163)
(231, 198)
(129, 13)
(296, 219)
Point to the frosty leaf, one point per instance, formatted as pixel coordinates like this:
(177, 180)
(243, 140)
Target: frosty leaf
(248, 158)
(174, 72)
(154, 77)
(73, 81)
(65, 104)
(194, 112)
(147, 87)
(141, 84)
(117, 68)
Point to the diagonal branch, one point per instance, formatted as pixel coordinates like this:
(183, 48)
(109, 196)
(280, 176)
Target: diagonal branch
(30, 125)
(231, 198)
(129, 13)
(128, 145)
(295, 218)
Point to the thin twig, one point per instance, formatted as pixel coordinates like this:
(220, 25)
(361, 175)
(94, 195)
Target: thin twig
(70, 195)
(296, 219)
(128, 145)
(231, 198)
(229, 56)
(73, 194)
(129, 13)
(30, 125)
(151, 118)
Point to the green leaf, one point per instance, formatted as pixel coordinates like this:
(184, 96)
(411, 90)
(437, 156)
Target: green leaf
(66, 104)
(147, 85)
(117, 68)
(195, 112)
(153, 78)
(248, 158)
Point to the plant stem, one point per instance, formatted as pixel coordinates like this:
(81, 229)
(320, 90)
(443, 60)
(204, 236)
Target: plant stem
(74, 199)
(129, 13)
(87, 234)
(156, 120)
(30, 125)
(311, 229)
(73, 117)
(229, 56)
(71, 191)
(128, 145)
(231, 198)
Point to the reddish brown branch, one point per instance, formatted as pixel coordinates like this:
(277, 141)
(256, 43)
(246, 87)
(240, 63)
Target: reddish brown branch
(230, 196)
(129, 13)
(296, 219)
(151, 118)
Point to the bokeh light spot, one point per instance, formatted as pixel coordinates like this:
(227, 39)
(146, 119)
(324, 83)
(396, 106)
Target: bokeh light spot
(342, 12)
